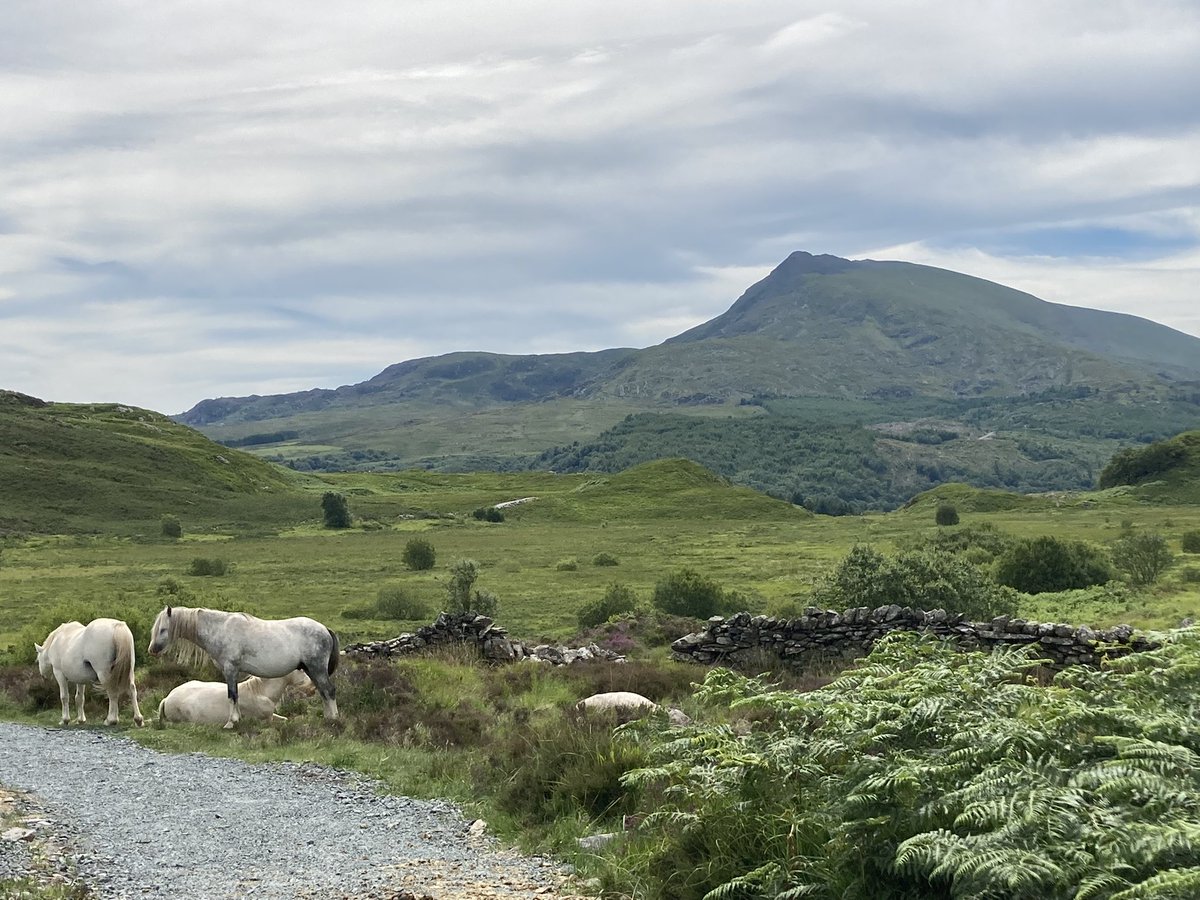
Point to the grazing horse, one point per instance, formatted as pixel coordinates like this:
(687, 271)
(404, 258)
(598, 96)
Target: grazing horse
(205, 702)
(268, 648)
(100, 652)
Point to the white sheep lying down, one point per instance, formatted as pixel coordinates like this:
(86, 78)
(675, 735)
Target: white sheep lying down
(207, 702)
(627, 701)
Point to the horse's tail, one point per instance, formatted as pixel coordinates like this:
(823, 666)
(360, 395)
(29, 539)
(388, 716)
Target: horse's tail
(162, 710)
(335, 653)
(121, 673)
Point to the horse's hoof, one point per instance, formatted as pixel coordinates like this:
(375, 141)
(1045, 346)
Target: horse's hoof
(227, 725)
(139, 721)
(111, 721)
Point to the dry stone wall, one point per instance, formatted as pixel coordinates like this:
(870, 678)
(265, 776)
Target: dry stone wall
(482, 632)
(824, 634)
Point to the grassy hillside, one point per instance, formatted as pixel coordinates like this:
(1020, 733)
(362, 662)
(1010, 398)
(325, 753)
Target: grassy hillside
(106, 467)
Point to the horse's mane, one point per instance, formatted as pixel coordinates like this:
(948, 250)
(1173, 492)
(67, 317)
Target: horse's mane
(184, 650)
(57, 633)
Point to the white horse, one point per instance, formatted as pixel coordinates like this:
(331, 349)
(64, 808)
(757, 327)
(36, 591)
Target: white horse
(99, 653)
(206, 702)
(240, 643)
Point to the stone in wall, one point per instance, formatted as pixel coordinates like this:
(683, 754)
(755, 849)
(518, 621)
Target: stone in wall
(825, 634)
(492, 640)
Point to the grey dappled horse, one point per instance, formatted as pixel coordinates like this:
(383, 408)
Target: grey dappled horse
(240, 643)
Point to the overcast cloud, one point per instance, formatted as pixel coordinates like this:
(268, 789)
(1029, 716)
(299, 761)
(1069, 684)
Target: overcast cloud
(219, 198)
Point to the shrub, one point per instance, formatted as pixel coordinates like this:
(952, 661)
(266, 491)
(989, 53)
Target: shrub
(1190, 574)
(607, 559)
(569, 564)
(688, 593)
(419, 554)
(1144, 556)
(982, 536)
(923, 579)
(396, 602)
(1190, 541)
(563, 767)
(1047, 563)
(202, 566)
(947, 514)
(488, 514)
(171, 527)
(617, 599)
(335, 510)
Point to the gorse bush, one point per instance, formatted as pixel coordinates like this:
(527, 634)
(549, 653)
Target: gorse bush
(617, 599)
(922, 579)
(926, 772)
(171, 527)
(607, 559)
(394, 602)
(1047, 563)
(335, 510)
(1189, 541)
(567, 564)
(947, 514)
(419, 554)
(203, 566)
(488, 514)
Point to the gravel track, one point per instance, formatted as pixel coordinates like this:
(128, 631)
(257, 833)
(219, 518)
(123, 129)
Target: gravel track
(140, 823)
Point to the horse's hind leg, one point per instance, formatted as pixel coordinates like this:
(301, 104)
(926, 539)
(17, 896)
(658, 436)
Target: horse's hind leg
(325, 687)
(80, 693)
(137, 713)
(114, 714)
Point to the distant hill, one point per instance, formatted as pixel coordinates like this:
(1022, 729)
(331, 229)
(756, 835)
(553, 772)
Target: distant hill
(868, 343)
(107, 467)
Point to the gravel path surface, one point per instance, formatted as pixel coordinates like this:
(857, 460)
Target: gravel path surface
(139, 823)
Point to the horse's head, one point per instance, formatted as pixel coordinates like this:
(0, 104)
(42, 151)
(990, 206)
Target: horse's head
(298, 679)
(43, 660)
(160, 634)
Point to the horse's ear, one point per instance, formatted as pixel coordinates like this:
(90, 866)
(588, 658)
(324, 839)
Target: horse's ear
(168, 612)
(37, 647)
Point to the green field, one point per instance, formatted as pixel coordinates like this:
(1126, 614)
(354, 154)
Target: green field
(655, 520)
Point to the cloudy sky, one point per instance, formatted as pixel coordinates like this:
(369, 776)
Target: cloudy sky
(223, 198)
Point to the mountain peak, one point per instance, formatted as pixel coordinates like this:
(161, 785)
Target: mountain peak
(801, 262)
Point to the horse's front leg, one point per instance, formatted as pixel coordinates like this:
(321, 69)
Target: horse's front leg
(231, 677)
(80, 693)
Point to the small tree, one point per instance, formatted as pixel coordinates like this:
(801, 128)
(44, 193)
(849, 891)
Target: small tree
(1145, 556)
(171, 528)
(462, 597)
(335, 509)
(688, 593)
(946, 514)
(419, 554)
